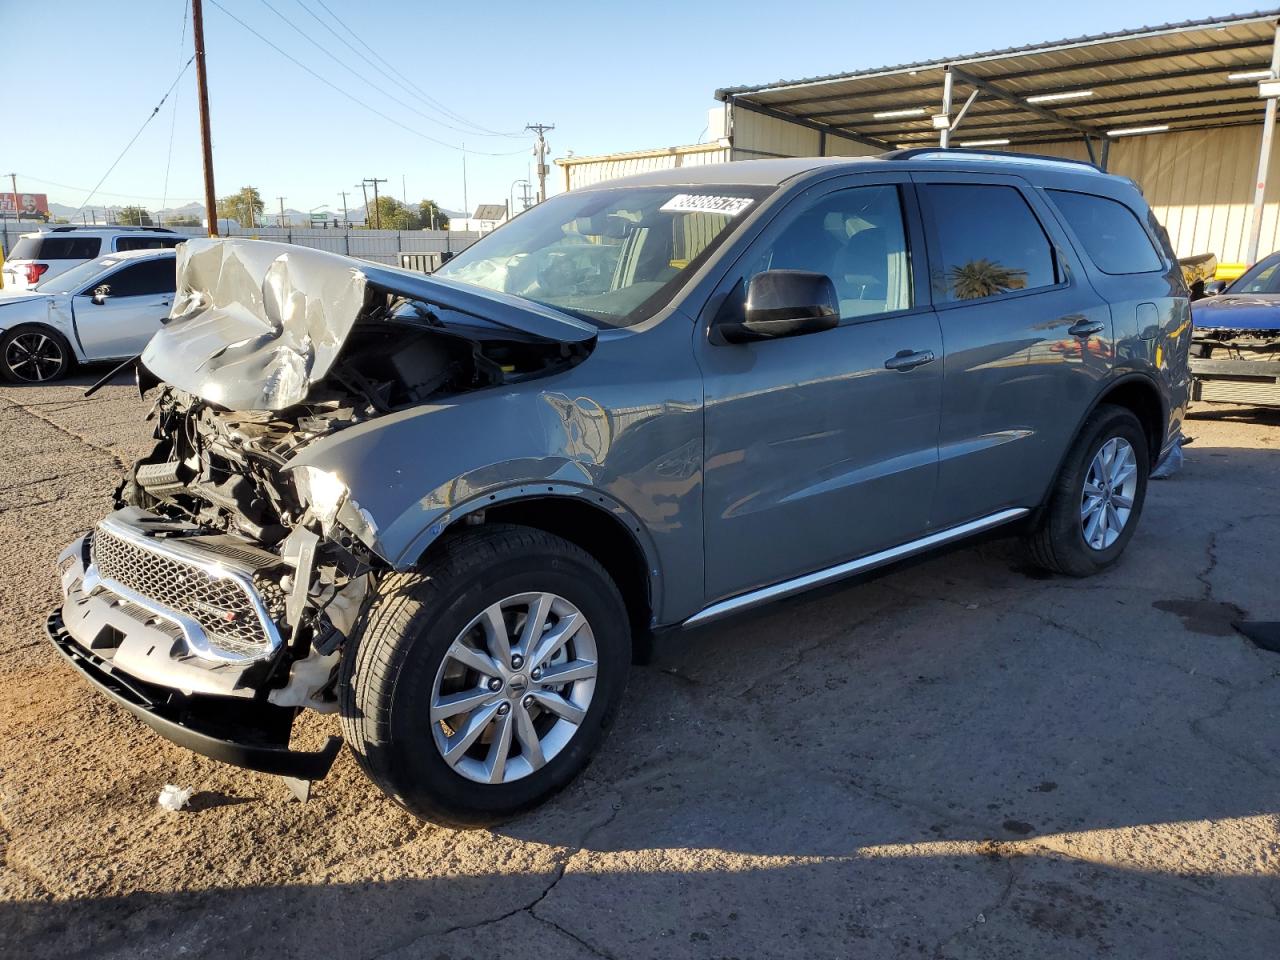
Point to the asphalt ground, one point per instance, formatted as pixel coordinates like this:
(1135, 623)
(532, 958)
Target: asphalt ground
(958, 759)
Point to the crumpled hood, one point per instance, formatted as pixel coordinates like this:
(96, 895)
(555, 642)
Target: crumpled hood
(1238, 311)
(255, 324)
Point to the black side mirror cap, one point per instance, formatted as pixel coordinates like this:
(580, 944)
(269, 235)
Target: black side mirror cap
(784, 303)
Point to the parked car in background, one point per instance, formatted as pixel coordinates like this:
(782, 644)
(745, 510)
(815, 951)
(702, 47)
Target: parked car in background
(1235, 354)
(42, 255)
(452, 508)
(105, 309)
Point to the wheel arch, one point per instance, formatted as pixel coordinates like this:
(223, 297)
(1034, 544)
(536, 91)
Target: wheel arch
(1137, 393)
(588, 519)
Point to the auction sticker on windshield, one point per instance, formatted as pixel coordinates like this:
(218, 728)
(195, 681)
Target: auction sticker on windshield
(700, 203)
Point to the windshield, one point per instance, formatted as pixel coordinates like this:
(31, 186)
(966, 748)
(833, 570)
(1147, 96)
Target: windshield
(612, 257)
(1264, 277)
(72, 280)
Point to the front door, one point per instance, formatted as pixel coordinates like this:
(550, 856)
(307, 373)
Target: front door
(815, 451)
(137, 302)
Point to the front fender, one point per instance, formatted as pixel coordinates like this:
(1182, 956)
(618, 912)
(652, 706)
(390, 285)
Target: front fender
(415, 472)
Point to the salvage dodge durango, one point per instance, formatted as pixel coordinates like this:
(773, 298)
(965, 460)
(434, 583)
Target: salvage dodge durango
(454, 508)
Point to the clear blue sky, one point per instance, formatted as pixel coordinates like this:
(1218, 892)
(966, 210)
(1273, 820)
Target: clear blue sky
(610, 76)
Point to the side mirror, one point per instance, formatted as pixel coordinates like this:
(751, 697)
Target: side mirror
(785, 303)
(1215, 287)
(101, 292)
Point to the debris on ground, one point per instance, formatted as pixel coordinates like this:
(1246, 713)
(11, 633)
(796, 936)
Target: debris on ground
(174, 798)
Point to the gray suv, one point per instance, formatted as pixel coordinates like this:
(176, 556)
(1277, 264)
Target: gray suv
(454, 508)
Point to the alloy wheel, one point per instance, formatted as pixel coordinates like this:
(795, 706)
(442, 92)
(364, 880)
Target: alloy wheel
(514, 687)
(1109, 490)
(34, 357)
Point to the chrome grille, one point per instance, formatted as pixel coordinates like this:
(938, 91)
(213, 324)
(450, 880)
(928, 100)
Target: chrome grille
(220, 605)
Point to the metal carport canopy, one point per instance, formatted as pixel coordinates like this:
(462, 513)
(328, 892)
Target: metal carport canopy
(1174, 75)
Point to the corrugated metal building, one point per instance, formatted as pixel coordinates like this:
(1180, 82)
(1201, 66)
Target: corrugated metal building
(1177, 107)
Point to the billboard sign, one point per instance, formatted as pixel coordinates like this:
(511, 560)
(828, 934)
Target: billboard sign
(28, 204)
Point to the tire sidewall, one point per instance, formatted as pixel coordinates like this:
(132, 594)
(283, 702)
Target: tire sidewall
(10, 335)
(414, 757)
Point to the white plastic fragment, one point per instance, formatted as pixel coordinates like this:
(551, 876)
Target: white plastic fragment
(174, 798)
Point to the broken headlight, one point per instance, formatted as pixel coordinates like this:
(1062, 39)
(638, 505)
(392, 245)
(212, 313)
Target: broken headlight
(322, 492)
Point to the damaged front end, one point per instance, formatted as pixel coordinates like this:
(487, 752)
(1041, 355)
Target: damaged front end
(216, 601)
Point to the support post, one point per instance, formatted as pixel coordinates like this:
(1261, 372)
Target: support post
(1106, 153)
(206, 139)
(944, 135)
(1264, 159)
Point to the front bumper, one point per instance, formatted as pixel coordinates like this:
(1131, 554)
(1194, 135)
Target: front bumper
(1255, 382)
(245, 733)
(140, 654)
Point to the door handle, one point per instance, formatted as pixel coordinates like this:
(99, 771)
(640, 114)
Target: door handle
(909, 359)
(1086, 328)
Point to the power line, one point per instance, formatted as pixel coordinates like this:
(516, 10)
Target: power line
(356, 100)
(408, 82)
(131, 142)
(105, 193)
(173, 122)
(374, 64)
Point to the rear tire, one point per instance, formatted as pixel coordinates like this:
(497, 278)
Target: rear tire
(34, 354)
(1084, 529)
(431, 639)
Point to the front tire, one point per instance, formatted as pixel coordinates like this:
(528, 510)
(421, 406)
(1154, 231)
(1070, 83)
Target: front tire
(34, 354)
(1097, 499)
(482, 684)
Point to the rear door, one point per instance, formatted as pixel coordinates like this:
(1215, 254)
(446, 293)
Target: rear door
(1028, 341)
(816, 451)
(137, 303)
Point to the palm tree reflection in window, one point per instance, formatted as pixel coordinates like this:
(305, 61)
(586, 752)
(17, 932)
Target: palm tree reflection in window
(982, 278)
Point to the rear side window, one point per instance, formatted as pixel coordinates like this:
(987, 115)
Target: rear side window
(56, 248)
(988, 242)
(142, 279)
(1111, 234)
(146, 243)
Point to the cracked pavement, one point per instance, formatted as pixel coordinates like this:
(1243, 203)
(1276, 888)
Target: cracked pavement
(959, 759)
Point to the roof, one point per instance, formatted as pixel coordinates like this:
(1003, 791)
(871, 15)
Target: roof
(778, 170)
(490, 211)
(1175, 74)
(140, 254)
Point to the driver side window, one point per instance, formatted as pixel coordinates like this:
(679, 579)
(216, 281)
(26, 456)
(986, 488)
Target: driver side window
(858, 239)
(149, 278)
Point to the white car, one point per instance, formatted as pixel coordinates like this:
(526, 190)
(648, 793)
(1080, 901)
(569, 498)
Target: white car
(106, 309)
(39, 257)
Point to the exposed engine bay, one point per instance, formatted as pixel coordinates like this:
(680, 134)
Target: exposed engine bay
(224, 478)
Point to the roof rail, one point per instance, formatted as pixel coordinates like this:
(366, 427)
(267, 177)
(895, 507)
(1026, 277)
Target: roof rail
(914, 153)
(70, 227)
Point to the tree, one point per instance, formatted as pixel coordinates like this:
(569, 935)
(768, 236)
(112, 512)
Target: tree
(183, 221)
(132, 216)
(245, 206)
(985, 278)
(431, 216)
(392, 215)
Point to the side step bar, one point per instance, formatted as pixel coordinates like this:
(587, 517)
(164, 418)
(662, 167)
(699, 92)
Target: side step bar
(819, 577)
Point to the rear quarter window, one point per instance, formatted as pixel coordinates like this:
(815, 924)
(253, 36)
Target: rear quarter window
(56, 248)
(146, 243)
(1109, 231)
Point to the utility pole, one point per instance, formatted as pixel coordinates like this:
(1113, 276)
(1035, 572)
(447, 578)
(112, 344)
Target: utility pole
(540, 151)
(364, 188)
(345, 222)
(17, 207)
(281, 223)
(206, 139)
(377, 214)
(465, 207)
(525, 187)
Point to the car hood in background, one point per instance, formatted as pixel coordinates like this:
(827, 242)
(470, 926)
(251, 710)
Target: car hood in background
(1238, 311)
(255, 324)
